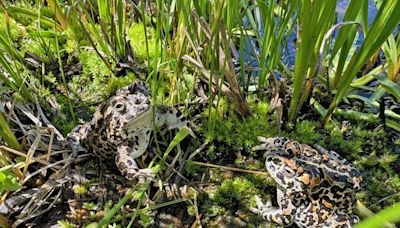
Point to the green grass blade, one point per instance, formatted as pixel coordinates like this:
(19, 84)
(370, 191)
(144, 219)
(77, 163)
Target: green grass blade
(114, 210)
(177, 139)
(368, 77)
(18, 11)
(17, 83)
(6, 44)
(64, 81)
(392, 54)
(61, 17)
(389, 85)
(393, 124)
(347, 34)
(7, 134)
(345, 38)
(120, 29)
(390, 214)
(271, 12)
(104, 9)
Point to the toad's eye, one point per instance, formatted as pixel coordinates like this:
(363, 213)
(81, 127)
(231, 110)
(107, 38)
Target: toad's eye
(288, 172)
(120, 107)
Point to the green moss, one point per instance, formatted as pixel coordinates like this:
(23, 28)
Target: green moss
(387, 158)
(306, 132)
(214, 210)
(115, 83)
(42, 47)
(76, 38)
(249, 163)
(71, 45)
(96, 81)
(352, 147)
(235, 193)
(232, 196)
(138, 41)
(193, 169)
(89, 85)
(225, 126)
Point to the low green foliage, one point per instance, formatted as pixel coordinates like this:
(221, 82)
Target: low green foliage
(90, 206)
(15, 30)
(8, 182)
(66, 224)
(80, 189)
(339, 143)
(192, 170)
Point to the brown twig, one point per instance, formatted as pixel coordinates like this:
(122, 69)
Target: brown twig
(230, 168)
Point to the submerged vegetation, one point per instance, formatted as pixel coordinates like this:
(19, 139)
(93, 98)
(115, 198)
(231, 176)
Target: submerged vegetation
(319, 72)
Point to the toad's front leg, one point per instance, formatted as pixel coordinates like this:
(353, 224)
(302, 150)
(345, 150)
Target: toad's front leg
(284, 215)
(125, 161)
(168, 118)
(341, 219)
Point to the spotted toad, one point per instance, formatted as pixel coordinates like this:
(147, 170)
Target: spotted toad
(121, 127)
(315, 188)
